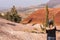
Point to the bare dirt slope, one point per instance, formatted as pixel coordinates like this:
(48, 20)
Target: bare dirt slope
(14, 31)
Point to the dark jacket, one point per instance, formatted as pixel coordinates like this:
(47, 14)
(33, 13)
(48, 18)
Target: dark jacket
(51, 33)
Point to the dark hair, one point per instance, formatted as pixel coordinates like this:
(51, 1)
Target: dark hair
(50, 22)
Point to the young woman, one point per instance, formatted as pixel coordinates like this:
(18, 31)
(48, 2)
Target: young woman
(51, 31)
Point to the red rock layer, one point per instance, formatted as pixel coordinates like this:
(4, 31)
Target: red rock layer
(39, 16)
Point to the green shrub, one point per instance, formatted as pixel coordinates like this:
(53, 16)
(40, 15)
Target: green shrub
(13, 15)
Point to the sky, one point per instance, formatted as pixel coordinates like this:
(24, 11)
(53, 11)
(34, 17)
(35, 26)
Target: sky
(22, 3)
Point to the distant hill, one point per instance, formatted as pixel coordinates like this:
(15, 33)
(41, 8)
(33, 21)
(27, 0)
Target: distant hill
(31, 9)
(39, 16)
(51, 3)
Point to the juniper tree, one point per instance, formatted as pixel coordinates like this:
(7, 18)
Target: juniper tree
(13, 15)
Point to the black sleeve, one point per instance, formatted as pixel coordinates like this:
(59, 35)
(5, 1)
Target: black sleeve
(57, 30)
(46, 31)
